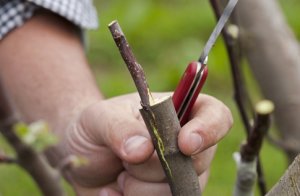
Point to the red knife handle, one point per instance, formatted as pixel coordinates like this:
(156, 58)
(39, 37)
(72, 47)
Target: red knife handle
(188, 89)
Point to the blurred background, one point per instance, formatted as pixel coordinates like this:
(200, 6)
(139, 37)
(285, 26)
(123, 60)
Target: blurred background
(165, 36)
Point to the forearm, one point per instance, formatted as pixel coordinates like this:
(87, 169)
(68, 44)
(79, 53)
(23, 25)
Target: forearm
(44, 71)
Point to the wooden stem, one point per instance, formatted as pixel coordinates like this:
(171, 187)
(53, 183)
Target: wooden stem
(133, 66)
(251, 149)
(163, 125)
(234, 54)
(240, 94)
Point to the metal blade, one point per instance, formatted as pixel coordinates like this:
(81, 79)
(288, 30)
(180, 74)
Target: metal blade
(217, 30)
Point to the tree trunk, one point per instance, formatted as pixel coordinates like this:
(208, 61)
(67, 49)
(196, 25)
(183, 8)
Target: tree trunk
(274, 57)
(289, 182)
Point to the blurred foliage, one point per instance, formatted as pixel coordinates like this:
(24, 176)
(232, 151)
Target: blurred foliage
(165, 36)
(36, 134)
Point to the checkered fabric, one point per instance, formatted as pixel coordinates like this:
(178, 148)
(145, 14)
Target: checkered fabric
(13, 13)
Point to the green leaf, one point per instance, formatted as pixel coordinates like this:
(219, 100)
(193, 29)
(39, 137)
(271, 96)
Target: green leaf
(36, 134)
(21, 129)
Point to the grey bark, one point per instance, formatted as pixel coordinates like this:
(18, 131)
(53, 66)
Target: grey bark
(274, 57)
(289, 184)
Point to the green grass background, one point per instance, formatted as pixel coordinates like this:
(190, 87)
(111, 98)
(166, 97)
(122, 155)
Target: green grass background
(165, 36)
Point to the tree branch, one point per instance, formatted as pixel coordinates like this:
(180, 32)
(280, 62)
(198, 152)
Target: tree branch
(47, 179)
(273, 53)
(234, 54)
(247, 158)
(253, 145)
(240, 94)
(163, 125)
(135, 69)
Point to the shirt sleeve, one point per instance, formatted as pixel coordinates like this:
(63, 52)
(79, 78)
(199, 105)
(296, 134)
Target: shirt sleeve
(14, 13)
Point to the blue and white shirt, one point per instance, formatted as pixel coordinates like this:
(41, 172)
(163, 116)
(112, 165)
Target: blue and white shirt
(13, 13)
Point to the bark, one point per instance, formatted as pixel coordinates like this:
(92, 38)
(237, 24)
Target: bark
(244, 104)
(163, 125)
(247, 159)
(289, 184)
(274, 56)
(250, 150)
(135, 69)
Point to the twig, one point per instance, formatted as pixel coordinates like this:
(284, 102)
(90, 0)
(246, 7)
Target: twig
(247, 158)
(240, 94)
(133, 66)
(251, 149)
(234, 55)
(163, 125)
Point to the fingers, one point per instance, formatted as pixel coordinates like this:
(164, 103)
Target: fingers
(131, 186)
(109, 192)
(210, 122)
(151, 170)
(111, 189)
(202, 160)
(115, 124)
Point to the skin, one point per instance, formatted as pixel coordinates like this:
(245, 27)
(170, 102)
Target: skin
(45, 75)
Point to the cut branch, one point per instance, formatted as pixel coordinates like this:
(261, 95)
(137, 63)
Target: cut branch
(163, 126)
(252, 148)
(247, 159)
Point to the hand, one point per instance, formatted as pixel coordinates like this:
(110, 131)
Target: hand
(112, 136)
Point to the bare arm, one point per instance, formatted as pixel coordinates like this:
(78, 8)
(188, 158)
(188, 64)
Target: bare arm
(44, 71)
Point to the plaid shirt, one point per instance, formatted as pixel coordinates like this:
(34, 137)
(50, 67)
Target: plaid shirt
(13, 13)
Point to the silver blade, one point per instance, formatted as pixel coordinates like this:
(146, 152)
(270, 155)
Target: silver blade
(217, 30)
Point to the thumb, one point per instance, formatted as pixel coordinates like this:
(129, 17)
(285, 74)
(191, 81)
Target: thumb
(116, 126)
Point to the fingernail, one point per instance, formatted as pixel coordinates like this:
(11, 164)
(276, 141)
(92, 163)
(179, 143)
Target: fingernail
(134, 143)
(195, 143)
(103, 193)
